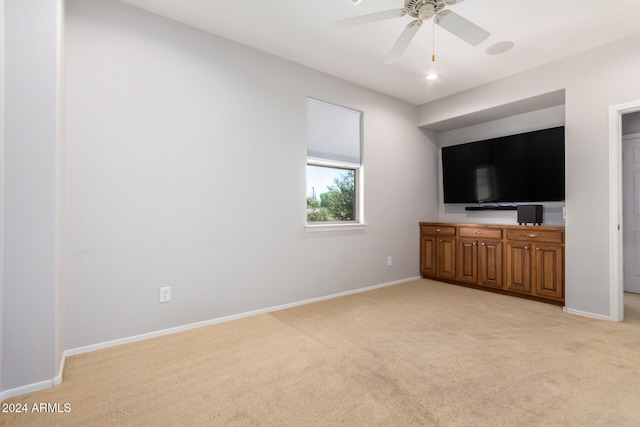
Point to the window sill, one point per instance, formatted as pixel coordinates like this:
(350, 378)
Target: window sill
(335, 227)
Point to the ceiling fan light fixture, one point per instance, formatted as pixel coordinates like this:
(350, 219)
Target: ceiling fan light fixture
(433, 76)
(354, 2)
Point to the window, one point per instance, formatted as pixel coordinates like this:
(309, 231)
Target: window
(333, 164)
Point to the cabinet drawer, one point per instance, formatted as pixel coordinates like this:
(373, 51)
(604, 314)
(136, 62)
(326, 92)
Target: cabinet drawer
(533, 235)
(445, 230)
(481, 232)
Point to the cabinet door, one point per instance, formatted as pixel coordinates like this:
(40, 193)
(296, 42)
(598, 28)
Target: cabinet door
(468, 260)
(428, 258)
(447, 257)
(490, 259)
(548, 270)
(518, 261)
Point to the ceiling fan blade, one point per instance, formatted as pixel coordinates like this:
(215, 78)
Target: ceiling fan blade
(461, 27)
(373, 17)
(403, 41)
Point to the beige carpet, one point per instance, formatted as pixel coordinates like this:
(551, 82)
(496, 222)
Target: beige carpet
(420, 353)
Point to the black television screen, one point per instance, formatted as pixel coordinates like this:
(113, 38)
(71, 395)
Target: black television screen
(527, 167)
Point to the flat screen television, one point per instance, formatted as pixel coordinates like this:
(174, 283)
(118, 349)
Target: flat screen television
(527, 167)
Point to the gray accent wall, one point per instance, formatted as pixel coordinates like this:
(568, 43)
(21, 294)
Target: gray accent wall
(187, 166)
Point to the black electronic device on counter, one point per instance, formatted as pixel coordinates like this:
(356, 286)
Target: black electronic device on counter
(530, 214)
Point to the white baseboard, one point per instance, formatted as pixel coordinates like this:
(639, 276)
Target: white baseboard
(30, 388)
(100, 346)
(86, 349)
(587, 314)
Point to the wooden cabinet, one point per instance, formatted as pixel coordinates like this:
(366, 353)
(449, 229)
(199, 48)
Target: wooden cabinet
(536, 262)
(438, 251)
(548, 266)
(480, 255)
(428, 255)
(447, 257)
(490, 263)
(468, 260)
(524, 261)
(518, 265)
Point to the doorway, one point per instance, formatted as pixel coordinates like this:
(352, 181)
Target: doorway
(616, 202)
(631, 206)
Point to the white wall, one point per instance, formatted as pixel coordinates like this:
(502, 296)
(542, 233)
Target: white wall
(592, 82)
(186, 168)
(31, 327)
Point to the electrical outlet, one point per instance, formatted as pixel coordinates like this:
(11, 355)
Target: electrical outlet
(165, 294)
(389, 261)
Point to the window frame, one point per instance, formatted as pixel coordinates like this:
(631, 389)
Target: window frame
(358, 222)
(357, 174)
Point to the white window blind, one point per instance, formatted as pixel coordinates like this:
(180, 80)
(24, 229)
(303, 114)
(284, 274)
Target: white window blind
(333, 133)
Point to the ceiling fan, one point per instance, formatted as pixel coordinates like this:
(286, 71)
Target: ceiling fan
(422, 10)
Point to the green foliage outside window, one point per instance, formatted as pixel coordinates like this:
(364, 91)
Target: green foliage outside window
(335, 205)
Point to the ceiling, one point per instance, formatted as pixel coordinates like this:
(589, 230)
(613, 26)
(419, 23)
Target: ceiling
(303, 31)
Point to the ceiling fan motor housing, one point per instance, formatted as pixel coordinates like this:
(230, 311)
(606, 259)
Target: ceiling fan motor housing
(426, 9)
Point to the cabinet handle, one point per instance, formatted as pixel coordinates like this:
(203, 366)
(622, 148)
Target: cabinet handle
(483, 244)
(433, 240)
(537, 248)
(532, 235)
(478, 232)
(437, 230)
(526, 248)
(474, 243)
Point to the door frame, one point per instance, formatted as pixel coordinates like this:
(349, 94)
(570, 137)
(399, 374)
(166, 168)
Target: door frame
(625, 202)
(616, 282)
